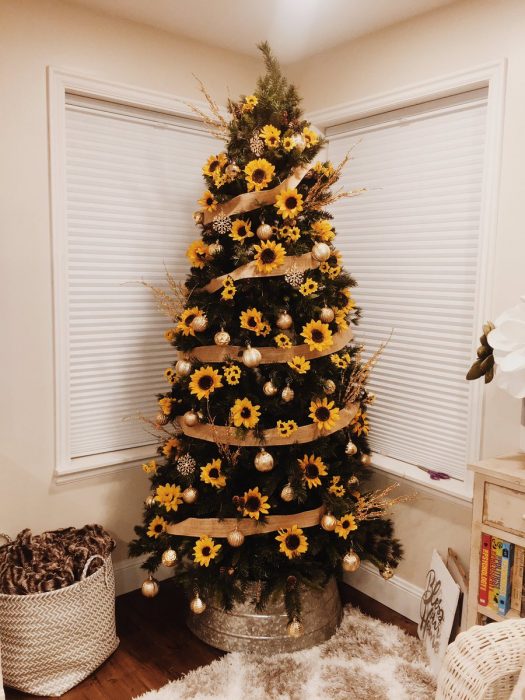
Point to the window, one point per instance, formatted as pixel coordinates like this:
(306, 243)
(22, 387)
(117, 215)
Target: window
(131, 179)
(412, 241)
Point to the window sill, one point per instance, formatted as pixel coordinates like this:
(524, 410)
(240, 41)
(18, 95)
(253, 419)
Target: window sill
(455, 490)
(99, 465)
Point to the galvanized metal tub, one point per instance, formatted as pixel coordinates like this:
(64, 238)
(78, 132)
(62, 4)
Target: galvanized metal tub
(245, 629)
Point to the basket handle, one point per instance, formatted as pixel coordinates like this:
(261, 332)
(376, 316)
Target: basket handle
(5, 537)
(88, 564)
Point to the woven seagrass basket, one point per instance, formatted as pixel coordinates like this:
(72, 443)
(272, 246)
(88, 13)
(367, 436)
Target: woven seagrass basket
(52, 641)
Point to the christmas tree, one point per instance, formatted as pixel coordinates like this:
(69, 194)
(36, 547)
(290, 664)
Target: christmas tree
(264, 427)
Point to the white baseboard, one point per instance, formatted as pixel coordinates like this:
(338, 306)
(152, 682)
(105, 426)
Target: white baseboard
(129, 576)
(396, 593)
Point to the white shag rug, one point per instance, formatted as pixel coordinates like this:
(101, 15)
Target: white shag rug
(365, 660)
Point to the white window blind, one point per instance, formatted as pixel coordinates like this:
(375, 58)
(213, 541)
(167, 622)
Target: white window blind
(412, 241)
(132, 181)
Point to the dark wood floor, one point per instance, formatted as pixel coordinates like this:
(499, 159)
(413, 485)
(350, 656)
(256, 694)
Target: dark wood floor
(156, 647)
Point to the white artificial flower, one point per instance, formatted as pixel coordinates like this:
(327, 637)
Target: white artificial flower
(508, 341)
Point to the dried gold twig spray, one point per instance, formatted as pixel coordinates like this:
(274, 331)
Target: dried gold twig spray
(319, 195)
(377, 504)
(216, 124)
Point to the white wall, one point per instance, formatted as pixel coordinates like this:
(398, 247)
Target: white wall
(457, 37)
(34, 34)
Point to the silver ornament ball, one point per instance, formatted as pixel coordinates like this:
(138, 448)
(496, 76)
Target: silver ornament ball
(264, 232)
(321, 251)
(183, 368)
(327, 314)
(190, 495)
(284, 321)
(269, 388)
(251, 357)
(263, 461)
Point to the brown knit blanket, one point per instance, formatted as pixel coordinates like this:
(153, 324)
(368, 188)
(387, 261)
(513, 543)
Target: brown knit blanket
(52, 560)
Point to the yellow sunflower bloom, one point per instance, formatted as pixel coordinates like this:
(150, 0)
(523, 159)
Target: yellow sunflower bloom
(323, 413)
(290, 233)
(259, 174)
(308, 287)
(288, 143)
(313, 468)
(228, 292)
(150, 467)
(283, 341)
(241, 230)
(360, 424)
(245, 414)
(336, 488)
(293, 542)
(326, 169)
(265, 329)
(205, 550)
(270, 135)
(165, 405)
(211, 474)
(345, 525)
(323, 230)
(268, 256)
(214, 164)
(170, 334)
(250, 102)
(285, 428)
(251, 320)
(289, 204)
(170, 445)
(228, 282)
(186, 318)
(340, 319)
(157, 526)
(334, 272)
(232, 374)
(208, 201)
(347, 300)
(197, 253)
(204, 381)
(170, 375)
(299, 364)
(317, 335)
(338, 361)
(169, 496)
(255, 504)
(310, 136)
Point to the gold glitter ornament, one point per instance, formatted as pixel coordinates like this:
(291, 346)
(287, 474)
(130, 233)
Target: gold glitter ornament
(198, 217)
(350, 448)
(190, 495)
(352, 481)
(329, 386)
(295, 628)
(190, 418)
(351, 561)
(150, 587)
(162, 419)
(149, 501)
(222, 338)
(327, 314)
(183, 368)
(263, 461)
(366, 460)
(287, 493)
(321, 251)
(287, 394)
(232, 171)
(235, 538)
(215, 249)
(328, 522)
(264, 232)
(169, 558)
(284, 321)
(387, 572)
(197, 605)
(199, 324)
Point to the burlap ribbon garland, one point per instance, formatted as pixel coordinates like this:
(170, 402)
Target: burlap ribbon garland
(253, 200)
(249, 271)
(226, 435)
(270, 355)
(213, 527)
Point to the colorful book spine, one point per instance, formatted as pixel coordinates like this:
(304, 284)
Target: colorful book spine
(507, 561)
(517, 578)
(495, 572)
(483, 592)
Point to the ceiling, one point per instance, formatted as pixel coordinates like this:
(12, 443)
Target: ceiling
(296, 29)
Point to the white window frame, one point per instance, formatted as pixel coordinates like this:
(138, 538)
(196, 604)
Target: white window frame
(60, 82)
(492, 76)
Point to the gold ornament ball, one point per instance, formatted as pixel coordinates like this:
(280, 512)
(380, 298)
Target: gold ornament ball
(162, 419)
(149, 501)
(190, 418)
(190, 495)
(231, 171)
(328, 522)
(269, 388)
(199, 324)
(287, 494)
(299, 141)
(215, 249)
(197, 605)
(150, 587)
(284, 321)
(198, 217)
(295, 628)
(350, 448)
(287, 394)
(387, 572)
(169, 557)
(329, 386)
(351, 561)
(235, 538)
(182, 368)
(251, 357)
(327, 314)
(222, 338)
(321, 251)
(263, 461)
(352, 481)
(366, 460)
(264, 232)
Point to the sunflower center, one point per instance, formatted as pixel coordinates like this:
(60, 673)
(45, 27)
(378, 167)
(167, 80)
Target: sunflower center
(205, 382)
(311, 471)
(252, 322)
(258, 175)
(332, 260)
(206, 551)
(241, 231)
(345, 524)
(322, 413)
(317, 335)
(209, 201)
(267, 256)
(214, 473)
(290, 202)
(189, 319)
(213, 166)
(252, 504)
(158, 527)
(245, 412)
(292, 541)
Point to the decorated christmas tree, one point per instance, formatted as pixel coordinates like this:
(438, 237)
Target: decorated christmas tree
(264, 452)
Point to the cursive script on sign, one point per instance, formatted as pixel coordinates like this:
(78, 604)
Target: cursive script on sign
(431, 611)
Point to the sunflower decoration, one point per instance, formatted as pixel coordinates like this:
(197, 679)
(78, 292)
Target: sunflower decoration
(283, 341)
(345, 525)
(334, 272)
(310, 136)
(244, 414)
(197, 253)
(293, 542)
(187, 316)
(228, 291)
(214, 165)
(324, 413)
(346, 302)
(204, 381)
(208, 201)
(268, 256)
(251, 320)
(333, 262)
(171, 445)
(241, 230)
(232, 374)
(289, 204)
(157, 526)
(170, 375)
(249, 104)
(270, 135)
(150, 467)
(211, 474)
(165, 405)
(317, 335)
(265, 329)
(341, 319)
(259, 174)
(290, 233)
(360, 424)
(205, 550)
(323, 230)
(299, 364)
(338, 361)
(169, 496)
(336, 488)
(288, 143)
(285, 428)
(313, 469)
(308, 287)
(325, 169)
(170, 334)
(254, 504)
